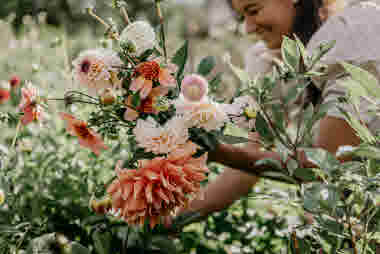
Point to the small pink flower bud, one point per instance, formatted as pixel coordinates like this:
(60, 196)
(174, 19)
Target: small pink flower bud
(194, 88)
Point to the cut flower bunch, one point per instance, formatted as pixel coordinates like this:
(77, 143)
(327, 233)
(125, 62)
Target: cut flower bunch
(170, 118)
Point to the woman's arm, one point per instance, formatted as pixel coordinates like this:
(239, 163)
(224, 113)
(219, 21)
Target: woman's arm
(333, 133)
(229, 186)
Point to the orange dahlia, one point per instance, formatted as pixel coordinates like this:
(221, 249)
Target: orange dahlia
(158, 187)
(86, 136)
(150, 71)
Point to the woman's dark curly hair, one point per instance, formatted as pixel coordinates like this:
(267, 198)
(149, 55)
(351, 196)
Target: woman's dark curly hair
(307, 21)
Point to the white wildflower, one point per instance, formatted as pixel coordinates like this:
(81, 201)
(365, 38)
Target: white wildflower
(161, 139)
(141, 35)
(97, 69)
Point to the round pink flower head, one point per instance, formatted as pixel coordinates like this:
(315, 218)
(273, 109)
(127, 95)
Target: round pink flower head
(97, 69)
(194, 88)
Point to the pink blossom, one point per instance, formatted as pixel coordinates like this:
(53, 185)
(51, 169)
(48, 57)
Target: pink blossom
(194, 88)
(30, 105)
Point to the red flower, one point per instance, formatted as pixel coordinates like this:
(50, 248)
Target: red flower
(87, 137)
(4, 95)
(14, 82)
(158, 187)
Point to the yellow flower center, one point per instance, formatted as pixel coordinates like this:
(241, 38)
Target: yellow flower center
(250, 112)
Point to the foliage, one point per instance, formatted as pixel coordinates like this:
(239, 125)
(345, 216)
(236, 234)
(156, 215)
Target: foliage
(341, 197)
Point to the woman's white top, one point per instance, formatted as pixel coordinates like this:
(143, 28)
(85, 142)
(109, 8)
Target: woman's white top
(356, 31)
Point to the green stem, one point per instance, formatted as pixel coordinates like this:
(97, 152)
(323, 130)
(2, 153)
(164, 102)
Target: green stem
(162, 29)
(17, 132)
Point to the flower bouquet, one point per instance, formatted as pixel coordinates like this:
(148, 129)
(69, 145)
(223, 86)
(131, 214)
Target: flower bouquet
(170, 118)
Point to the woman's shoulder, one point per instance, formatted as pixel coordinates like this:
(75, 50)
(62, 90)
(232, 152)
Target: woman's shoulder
(355, 31)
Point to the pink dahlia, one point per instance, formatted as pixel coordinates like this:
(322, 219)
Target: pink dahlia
(194, 88)
(146, 73)
(97, 69)
(87, 137)
(158, 187)
(30, 105)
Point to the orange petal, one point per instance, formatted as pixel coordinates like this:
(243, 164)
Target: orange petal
(137, 188)
(162, 195)
(148, 193)
(127, 190)
(146, 89)
(137, 84)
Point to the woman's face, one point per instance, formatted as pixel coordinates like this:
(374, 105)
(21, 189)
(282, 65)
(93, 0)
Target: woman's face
(269, 19)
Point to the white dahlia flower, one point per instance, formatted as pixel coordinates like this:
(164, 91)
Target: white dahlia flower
(242, 111)
(97, 69)
(161, 139)
(141, 35)
(205, 114)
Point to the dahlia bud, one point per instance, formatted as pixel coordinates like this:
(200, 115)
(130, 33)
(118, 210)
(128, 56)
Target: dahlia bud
(101, 206)
(2, 197)
(14, 82)
(194, 88)
(108, 97)
(139, 36)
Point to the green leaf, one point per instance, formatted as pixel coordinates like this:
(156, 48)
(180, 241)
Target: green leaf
(373, 167)
(215, 82)
(206, 65)
(102, 241)
(160, 243)
(363, 151)
(290, 53)
(136, 100)
(180, 58)
(322, 50)
(146, 54)
(321, 158)
(305, 174)
(308, 119)
(355, 90)
(263, 129)
(233, 140)
(303, 51)
(295, 91)
(269, 162)
(364, 78)
(279, 117)
(76, 248)
(362, 131)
